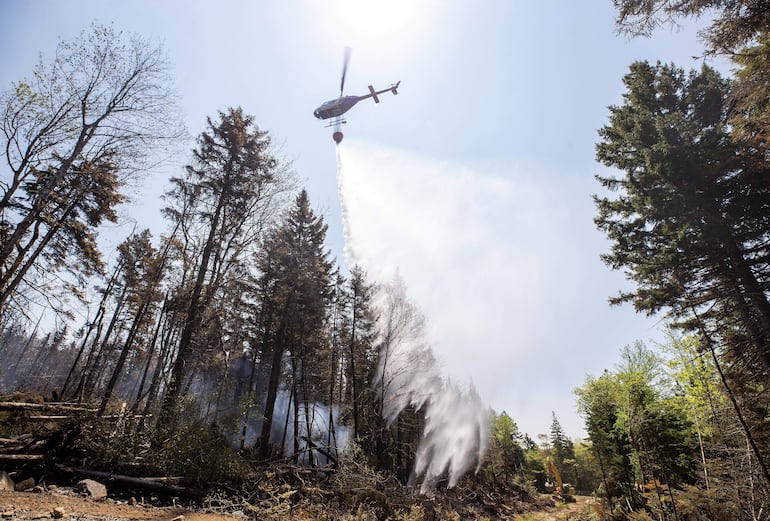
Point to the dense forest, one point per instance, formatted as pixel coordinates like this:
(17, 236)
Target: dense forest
(232, 349)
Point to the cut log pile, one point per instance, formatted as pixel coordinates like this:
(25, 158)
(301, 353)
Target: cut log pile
(38, 428)
(43, 451)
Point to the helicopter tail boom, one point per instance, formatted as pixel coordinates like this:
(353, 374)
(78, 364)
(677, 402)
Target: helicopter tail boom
(374, 93)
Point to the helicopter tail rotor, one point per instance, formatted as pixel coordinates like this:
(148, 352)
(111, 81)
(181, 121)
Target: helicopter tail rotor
(345, 61)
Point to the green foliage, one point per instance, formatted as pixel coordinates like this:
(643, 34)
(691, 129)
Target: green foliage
(698, 389)
(689, 219)
(562, 450)
(733, 23)
(201, 451)
(74, 133)
(588, 476)
(637, 432)
(505, 458)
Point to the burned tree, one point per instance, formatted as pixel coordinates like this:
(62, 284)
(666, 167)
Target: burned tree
(223, 204)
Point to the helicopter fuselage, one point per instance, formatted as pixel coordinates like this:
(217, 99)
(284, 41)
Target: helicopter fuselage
(336, 107)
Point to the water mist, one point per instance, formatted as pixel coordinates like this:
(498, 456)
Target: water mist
(456, 420)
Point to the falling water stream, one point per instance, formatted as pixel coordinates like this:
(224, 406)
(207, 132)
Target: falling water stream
(456, 420)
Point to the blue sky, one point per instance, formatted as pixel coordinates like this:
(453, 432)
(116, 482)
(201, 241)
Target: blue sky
(474, 182)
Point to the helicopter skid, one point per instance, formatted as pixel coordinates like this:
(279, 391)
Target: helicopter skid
(335, 123)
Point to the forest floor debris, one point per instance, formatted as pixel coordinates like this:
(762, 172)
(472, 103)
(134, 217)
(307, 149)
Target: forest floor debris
(65, 504)
(59, 483)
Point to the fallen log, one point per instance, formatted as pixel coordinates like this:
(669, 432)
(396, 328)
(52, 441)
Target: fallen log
(159, 485)
(22, 457)
(26, 406)
(321, 450)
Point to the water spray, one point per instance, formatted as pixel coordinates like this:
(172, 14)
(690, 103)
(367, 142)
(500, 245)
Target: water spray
(455, 434)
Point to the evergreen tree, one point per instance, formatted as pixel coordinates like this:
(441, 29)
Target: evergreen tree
(141, 276)
(734, 24)
(360, 356)
(299, 292)
(690, 219)
(750, 98)
(223, 200)
(562, 449)
(505, 452)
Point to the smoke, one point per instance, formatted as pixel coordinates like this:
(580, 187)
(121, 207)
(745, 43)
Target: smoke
(320, 432)
(456, 420)
(330, 437)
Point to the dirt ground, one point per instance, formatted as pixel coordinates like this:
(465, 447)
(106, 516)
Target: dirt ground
(30, 505)
(37, 506)
(562, 511)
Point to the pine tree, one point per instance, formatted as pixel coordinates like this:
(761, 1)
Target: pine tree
(360, 354)
(224, 199)
(560, 445)
(298, 294)
(142, 272)
(733, 23)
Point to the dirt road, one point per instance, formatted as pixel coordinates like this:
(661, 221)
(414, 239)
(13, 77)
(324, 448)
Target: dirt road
(563, 511)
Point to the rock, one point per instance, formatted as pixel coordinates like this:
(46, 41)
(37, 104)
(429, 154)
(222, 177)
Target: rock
(58, 512)
(27, 484)
(178, 518)
(38, 489)
(7, 514)
(6, 483)
(51, 488)
(92, 488)
(132, 501)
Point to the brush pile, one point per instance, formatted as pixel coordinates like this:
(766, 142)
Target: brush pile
(42, 444)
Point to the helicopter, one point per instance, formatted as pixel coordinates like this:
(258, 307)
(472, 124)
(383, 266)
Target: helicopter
(335, 108)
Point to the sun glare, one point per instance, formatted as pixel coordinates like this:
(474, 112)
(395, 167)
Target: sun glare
(370, 21)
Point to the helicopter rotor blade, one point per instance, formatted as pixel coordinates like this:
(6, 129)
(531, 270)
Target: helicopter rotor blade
(344, 69)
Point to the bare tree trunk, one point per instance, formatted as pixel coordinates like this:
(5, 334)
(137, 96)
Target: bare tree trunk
(150, 354)
(275, 374)
(88, 382)
(192, 318)
(222, 385)
(332, 378)
(82, 349)
(164, 358)
(296, 409)
(252, 394)
(289, 403)
(127, 345)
